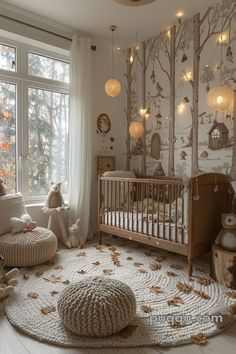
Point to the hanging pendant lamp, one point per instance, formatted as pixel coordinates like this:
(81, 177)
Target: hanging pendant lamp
(112, 86)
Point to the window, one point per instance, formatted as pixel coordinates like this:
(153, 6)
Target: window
(34, 111)
(216, 133)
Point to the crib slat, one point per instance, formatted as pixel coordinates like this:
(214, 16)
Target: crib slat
(142, 208)
(128, 205)
(111, 185)
(137, 207)
(133, 187)
(170, 203)
(115, 202)
(176, 211)
(164, 212)
(119, 203)
(182, 196)
(158, 210)
(152, 206)
(123, 205)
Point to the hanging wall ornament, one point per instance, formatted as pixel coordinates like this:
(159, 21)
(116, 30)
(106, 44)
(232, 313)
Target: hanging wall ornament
(184, 58)
(153, 76)
(229, 53)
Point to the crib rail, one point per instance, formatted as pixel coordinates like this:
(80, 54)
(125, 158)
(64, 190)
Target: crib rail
(146, 206)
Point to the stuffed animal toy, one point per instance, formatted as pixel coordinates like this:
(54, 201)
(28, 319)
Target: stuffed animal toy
(7, 281)
(227, 314)
(227, 237)
(54, 198)
(2, 188)
(74, 236)
(22, 224)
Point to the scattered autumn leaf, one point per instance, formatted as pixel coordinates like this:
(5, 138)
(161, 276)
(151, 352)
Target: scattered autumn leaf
(112, 248)
(146, 309)
(202, 294)
(81, 271)
(129, 258)
(51, 262)
(115, 259)
(160, 258)
(137, 264)
(99, 248)
(199, 338)
(200, 269)
(127, 331)
(171, 274)
(58, 267)
(205, 281)
(177, 300)
(155, 289)
(107, 271)
(155, 266)
(33, 295)
(38, 274)
(184, 287)
(52, 279)
(176, 266)
(231, 294)
(25, 277)
(81, 254)
(54, 292)
(66, 282)
(48, 309)
(96, 263)
(141, 270)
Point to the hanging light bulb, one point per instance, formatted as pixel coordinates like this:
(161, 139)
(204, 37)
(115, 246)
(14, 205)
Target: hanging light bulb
(112, 86)
(148, 113)
(219, 98)
(136, 130)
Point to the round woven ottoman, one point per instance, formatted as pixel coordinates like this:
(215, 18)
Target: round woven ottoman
(28, 249)
(97, 306)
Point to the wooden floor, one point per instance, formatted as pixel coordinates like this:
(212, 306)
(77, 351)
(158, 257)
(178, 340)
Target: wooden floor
(14, 342)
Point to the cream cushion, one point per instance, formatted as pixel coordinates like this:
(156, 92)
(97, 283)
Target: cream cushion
(28, 249)
(11, 205)
(97, 306)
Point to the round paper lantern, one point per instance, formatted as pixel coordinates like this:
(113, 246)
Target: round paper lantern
(112, 87)
(219, 98)
(136, 130)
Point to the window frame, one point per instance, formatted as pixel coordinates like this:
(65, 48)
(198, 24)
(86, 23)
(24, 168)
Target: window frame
(23, 81)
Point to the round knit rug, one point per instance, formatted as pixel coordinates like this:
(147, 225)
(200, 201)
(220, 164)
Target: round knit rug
(169, 305)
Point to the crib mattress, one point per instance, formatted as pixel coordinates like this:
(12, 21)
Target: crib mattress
(162, 230)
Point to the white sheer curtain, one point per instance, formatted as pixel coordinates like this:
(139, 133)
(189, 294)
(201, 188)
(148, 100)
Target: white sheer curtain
(80, 147)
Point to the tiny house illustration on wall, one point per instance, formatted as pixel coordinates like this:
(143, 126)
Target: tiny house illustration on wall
(218, 136)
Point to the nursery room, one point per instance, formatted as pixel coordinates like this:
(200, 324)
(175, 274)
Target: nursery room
(117, 176)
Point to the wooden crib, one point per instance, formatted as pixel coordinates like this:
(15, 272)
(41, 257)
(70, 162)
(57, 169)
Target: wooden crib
(166, 212)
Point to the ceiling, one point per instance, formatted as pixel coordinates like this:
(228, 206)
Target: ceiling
(95, 16)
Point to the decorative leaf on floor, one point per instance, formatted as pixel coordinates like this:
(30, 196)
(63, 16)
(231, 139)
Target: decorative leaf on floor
(107, 271)
(160, 258)
(48, 309)
(155, 266)
(51, 262)
(115, 260)
(205, 281)
(52, 279)
(99, 248)
(146, 309)
(141, 270)
(25, 277)
(54, 292)
(66, 282)
(200, 269)
(127, 331)
(59, 267)
(33, 295)
(176, 301)
(129, 258)
(112, 248)
(176, 266)
(231, 294)
(96, 263)
(81, 254)
(137, 264)
(155, 289)
(202, 294)
(184, 287)
(171, 274)
(199, 338)
(81, 271)
(38, 274)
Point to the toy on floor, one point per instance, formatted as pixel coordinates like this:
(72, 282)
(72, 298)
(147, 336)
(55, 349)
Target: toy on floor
(22, 224)
(228, 314)
(74, 239)
(7, 281)
(2, 188)
(54, 199)
(227, 236)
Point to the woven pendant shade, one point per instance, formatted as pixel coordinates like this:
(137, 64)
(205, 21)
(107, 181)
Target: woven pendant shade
(136, 130)
(219, 98)
(112, 87)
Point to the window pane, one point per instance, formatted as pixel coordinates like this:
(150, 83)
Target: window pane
(8, 135)
(48, 140)
(7, 58)
(48, 68)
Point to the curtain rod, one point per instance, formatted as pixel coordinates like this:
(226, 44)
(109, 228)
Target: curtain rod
(93, 47)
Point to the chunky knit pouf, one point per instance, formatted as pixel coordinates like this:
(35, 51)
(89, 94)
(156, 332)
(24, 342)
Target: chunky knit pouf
(28, 249)
(97, 306)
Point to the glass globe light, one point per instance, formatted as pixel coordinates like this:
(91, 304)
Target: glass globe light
(136, 130)
(112, 87)
(219, 98)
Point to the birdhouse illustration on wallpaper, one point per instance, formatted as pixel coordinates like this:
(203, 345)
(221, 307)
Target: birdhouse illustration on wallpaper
(218, 136)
